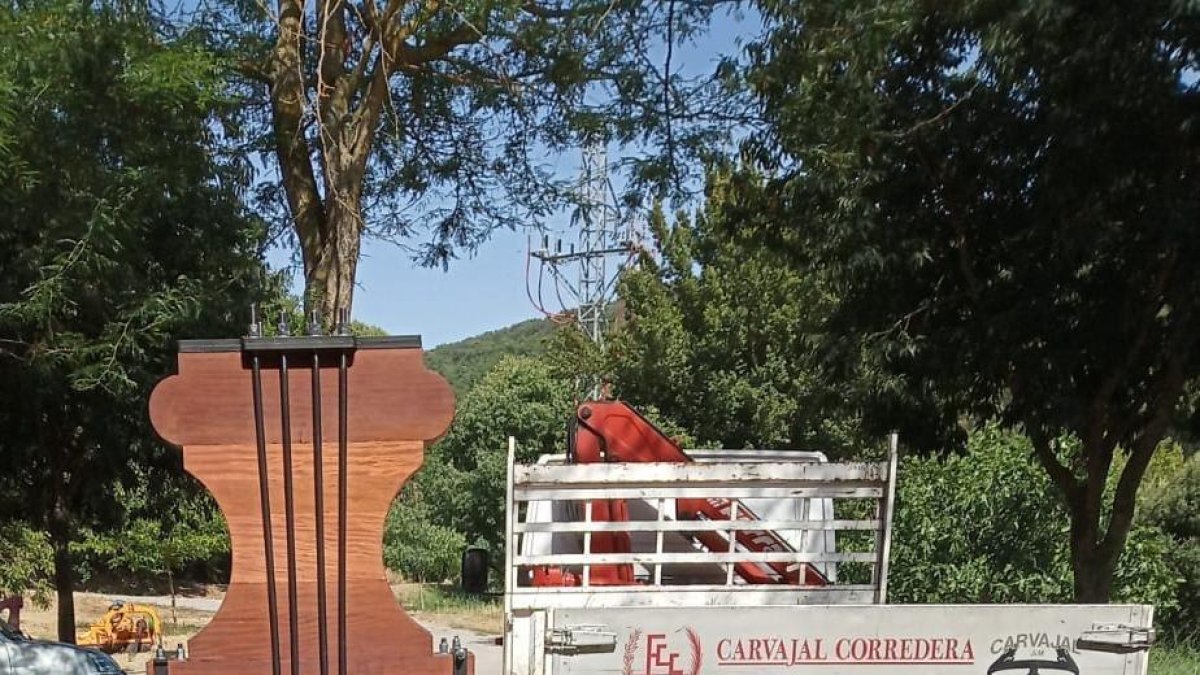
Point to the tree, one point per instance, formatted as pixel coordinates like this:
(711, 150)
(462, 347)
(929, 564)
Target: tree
(1006, 195)
(460, 488)
(123, 229)
(728, 339)
(984, 527)
(465, 362)
(167, 525)
(402, 118)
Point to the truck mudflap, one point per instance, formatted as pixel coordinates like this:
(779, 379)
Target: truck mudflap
(877, 639)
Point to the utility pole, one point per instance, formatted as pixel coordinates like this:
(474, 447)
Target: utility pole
(603, 235)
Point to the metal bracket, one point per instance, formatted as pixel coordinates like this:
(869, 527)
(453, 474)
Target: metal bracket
(581, 640)
(1116, 638)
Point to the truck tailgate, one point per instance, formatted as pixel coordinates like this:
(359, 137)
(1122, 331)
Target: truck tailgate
(925, 640)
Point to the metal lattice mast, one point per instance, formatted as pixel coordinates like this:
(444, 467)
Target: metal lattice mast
(595, 240)
(601, 236)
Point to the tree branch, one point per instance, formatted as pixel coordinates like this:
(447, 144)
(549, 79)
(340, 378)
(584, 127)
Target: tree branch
(438, 47)
(1060, 474)
(543, 12)
(291, 147)
(395, 55)
(1150, 306)
(331, 36)
(1142, 451)
(253, 70)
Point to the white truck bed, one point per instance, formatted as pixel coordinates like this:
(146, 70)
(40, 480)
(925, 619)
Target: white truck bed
(675, 623)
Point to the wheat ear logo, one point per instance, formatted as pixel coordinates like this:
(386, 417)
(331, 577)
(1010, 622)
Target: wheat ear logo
(659, 654)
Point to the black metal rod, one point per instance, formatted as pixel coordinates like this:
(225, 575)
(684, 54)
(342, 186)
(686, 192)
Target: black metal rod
(343, 480)
(264, 493)
(319, 500)
(289, 505)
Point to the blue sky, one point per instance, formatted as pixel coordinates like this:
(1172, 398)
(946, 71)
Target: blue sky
(484, 291)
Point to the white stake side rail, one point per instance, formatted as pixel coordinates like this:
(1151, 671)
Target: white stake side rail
(655, 483)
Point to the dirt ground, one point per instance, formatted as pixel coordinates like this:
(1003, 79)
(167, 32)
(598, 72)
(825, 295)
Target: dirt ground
(41, 622)
(193, 614)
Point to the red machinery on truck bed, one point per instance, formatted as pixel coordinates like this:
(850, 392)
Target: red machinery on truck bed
(612, 431)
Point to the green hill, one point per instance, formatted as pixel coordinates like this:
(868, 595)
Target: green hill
(464, 362)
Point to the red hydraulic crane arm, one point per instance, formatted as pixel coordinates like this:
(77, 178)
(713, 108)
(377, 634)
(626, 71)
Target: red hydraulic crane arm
(611, 431)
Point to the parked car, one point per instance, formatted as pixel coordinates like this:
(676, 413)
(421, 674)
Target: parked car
(22, 655)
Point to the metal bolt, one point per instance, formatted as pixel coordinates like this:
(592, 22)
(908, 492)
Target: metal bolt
(443, 646)
(314, 323)
(255, 326)
(284, 331)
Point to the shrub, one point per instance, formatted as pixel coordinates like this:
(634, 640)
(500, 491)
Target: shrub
(1173, 505)
(986, 526)
(418, 547)
(28, 561)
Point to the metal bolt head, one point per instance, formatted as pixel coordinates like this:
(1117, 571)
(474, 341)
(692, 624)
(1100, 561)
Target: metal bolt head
(255, 326)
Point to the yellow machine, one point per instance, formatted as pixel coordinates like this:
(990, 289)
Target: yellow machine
(124, 627)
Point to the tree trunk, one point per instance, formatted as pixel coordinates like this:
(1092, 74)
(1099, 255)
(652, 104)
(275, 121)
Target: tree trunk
(1092, 564)
(331, 263)
(64, 573)
(171, 587)
(1096, 545)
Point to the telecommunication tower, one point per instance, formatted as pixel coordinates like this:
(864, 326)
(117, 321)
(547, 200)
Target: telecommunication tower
(607, 243)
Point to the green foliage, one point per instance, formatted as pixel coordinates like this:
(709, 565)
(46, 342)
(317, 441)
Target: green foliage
(361, 329)
(466, 362)
(987, 527)
(1183, 659)
(453, 136)
(123, 230)
(1005, 197)
(28, 560)
(1174, 507)
(458, 495)
(519, 398)
(415, 544)
(166, 525)
(730, 341)
(450, 599)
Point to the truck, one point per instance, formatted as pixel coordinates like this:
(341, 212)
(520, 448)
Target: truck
(630, 555)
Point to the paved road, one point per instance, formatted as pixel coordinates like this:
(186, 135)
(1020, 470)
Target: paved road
(489, 657)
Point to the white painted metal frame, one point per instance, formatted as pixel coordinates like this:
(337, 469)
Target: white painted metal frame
(658, 482)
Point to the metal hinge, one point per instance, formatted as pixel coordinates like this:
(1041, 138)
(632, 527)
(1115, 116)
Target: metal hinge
(581, 640)
(1116, 638)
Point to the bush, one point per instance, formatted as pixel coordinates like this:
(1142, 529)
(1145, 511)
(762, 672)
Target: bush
(988, 527)
(417, 547)
(28, 561)
(1173, 505)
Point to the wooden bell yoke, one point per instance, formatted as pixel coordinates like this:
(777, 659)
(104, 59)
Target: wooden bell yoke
(304, 442)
